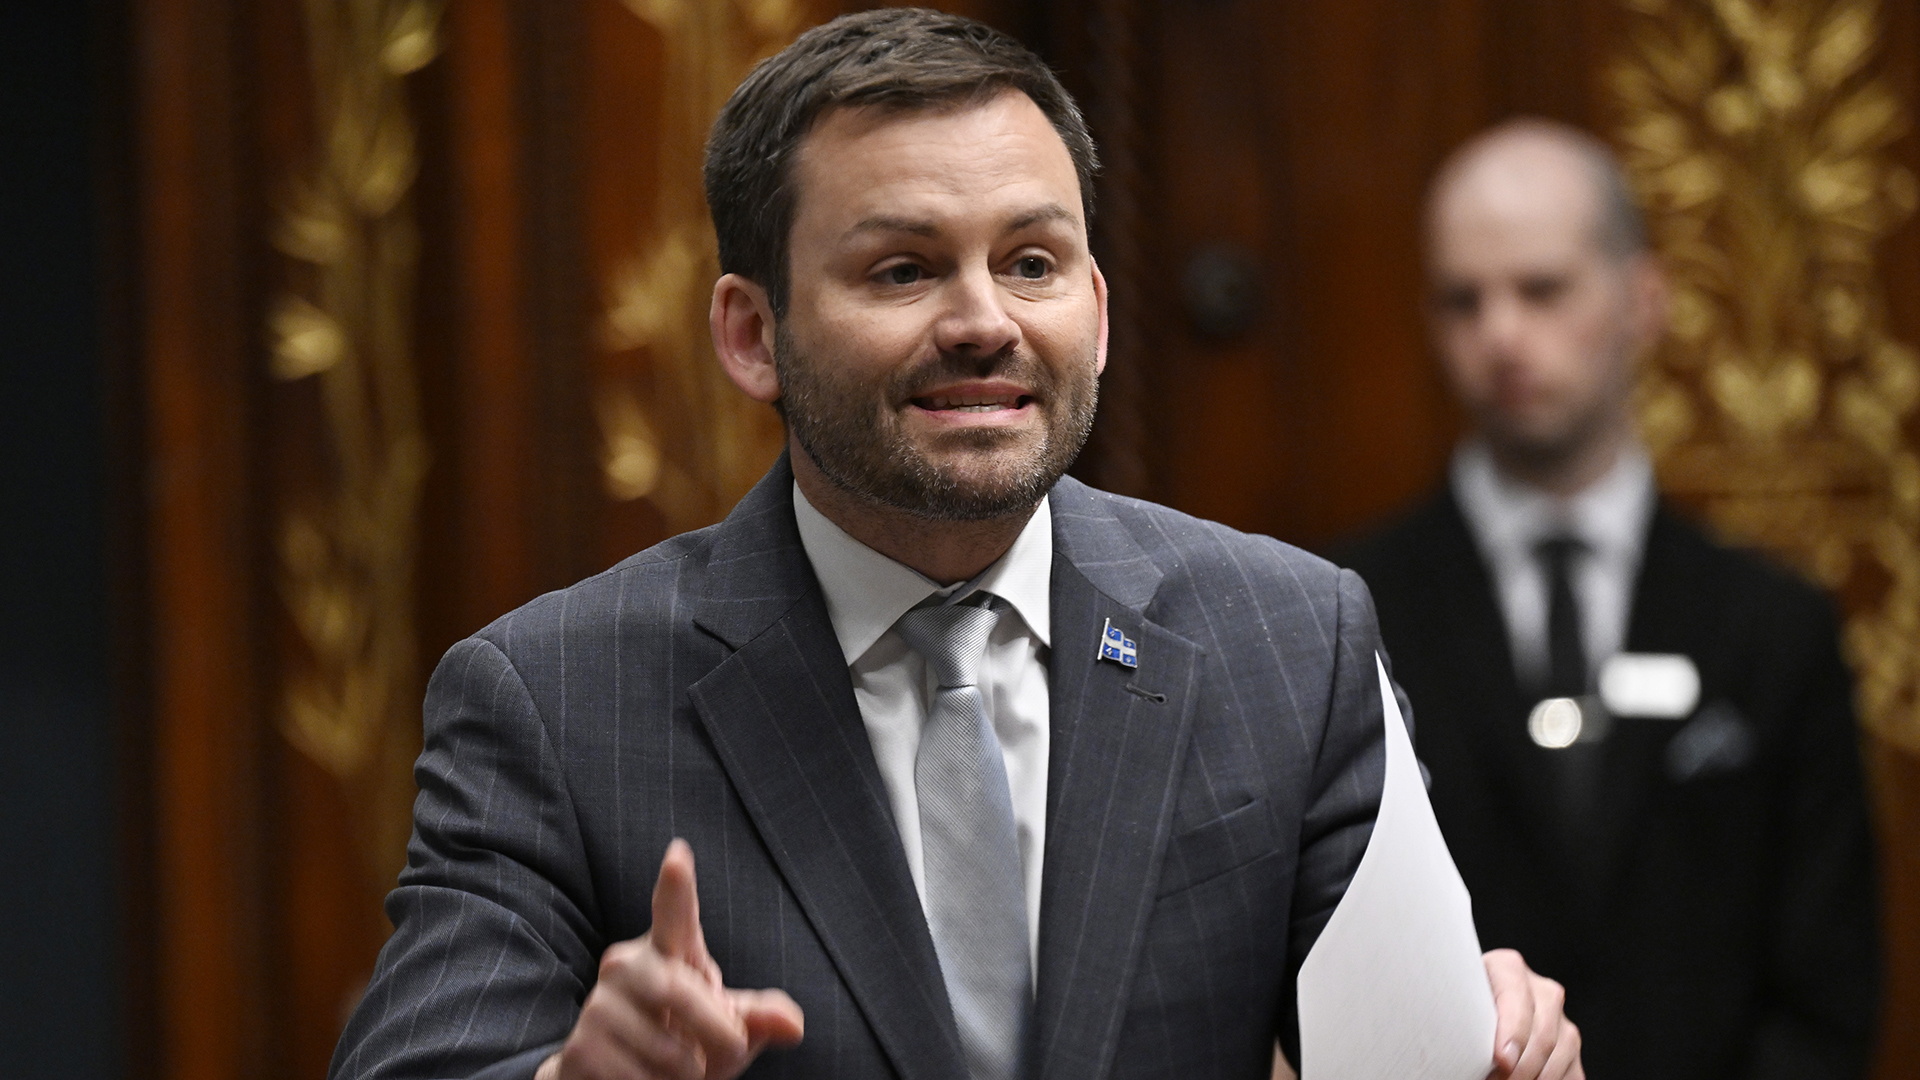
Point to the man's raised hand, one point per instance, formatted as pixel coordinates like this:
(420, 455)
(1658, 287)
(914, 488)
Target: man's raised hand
(660, 1010)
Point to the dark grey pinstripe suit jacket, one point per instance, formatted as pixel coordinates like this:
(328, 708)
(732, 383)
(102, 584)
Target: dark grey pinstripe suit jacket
(1204, 813)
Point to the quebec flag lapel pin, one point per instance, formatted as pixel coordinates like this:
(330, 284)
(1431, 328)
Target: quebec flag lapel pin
(1118, 647)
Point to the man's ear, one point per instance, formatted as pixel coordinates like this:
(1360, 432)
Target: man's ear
(1100, 298)
(742, 323)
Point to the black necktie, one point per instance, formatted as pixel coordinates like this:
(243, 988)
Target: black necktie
(1575, 768)
(1566, 652)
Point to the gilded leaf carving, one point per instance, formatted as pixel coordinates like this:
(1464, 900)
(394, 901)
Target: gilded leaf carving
(347, 553)
(1757, 132)
(673, 430)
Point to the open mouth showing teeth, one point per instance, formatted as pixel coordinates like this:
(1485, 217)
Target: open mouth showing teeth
(972, 404)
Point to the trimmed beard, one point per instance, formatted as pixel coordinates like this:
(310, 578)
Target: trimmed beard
(851, 429)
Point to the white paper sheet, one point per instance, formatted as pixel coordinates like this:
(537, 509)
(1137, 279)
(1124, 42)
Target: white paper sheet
(1394, 989)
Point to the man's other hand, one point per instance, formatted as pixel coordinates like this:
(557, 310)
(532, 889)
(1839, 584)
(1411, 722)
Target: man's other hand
(660, 1011)
(1533, 1039)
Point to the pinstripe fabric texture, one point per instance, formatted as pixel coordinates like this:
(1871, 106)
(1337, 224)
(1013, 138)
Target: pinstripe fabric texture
(1205, 811)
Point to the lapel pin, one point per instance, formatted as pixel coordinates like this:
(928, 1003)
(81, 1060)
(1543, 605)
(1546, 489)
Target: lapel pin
(1118, 647)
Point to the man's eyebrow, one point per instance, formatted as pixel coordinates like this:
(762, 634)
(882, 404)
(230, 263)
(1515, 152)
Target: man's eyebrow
(894, 224)
(1049, 212)
(1026, 219)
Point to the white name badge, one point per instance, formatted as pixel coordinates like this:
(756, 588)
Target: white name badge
(1655, 686)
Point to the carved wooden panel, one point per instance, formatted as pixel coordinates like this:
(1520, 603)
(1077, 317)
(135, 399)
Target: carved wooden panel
(1768, 140)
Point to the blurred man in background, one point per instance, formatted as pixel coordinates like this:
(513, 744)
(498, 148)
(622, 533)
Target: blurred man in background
(1613, 707)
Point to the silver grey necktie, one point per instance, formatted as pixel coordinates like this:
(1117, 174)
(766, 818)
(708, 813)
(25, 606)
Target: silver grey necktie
(976, 897)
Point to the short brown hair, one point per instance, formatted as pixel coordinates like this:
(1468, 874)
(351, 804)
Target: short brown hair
(904, 59)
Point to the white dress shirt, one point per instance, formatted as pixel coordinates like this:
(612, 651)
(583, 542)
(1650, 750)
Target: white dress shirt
(1508, 517)
(867, 593)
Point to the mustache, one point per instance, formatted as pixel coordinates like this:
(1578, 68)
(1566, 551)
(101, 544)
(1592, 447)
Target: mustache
(1009, 363)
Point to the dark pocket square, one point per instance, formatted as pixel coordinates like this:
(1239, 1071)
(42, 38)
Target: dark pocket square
(1206, 851)
(1717, 740)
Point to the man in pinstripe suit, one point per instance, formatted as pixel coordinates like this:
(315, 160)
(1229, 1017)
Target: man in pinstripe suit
(901, 199)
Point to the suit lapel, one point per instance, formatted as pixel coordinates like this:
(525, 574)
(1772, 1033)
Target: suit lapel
(1113, 771)
(1478, 664)
(1669, 615)
(785, 725)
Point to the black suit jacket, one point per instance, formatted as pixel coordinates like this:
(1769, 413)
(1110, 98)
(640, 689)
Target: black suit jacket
(1731, 932)
(1204, 812)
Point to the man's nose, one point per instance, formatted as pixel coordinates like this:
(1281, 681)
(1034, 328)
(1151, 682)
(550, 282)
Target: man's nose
(1502, 322)
(975, 319)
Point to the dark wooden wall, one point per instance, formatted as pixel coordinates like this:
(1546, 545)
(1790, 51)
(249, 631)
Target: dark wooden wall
(1285, 146)
(1259, 219)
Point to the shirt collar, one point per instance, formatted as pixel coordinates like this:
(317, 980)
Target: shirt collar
(1509, 516)
(867, 592)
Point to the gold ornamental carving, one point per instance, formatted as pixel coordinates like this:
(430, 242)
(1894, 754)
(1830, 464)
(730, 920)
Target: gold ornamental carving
(1758, 135)
(347, 553)
(674, 430)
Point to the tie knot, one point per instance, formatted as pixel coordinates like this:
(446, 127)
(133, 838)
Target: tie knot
(952, 638)
(1558, 552)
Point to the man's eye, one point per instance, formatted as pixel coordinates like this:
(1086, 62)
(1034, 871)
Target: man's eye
(1462, 302)
(1032, 267)
(1543, 290)
(901, 274)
